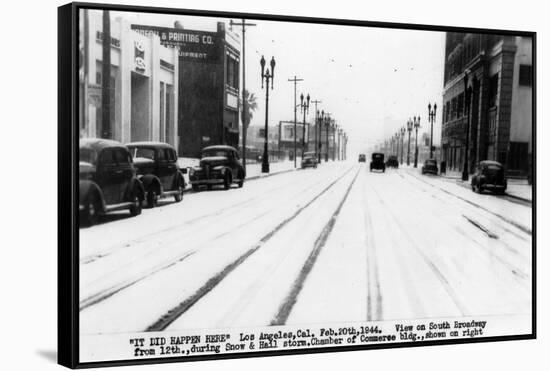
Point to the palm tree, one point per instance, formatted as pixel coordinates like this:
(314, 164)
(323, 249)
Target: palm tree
(248, 107)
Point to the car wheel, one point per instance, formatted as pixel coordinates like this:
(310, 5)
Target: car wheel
(209, 187)
(91, 211)
(135, 209)
(195, 187)
(226, 182)
(179, 196)
(152, 198)
(479, 189)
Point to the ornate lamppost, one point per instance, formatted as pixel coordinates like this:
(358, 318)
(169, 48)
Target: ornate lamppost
(320, 124)
(304, 108)
(402, 132)
(431, 119)
(267, 76)
(409, 129)
(327, 127)
(416, 124)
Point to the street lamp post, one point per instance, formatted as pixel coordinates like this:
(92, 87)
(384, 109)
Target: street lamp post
(409, 129)
(295, 80)
(267, 76)
(304, 108)
(416, 126)
(327, 127)
(467, 93)
(402, 132)
(431, 119)
(320, 123)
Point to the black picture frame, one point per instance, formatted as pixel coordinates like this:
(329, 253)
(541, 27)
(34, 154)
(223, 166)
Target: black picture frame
(68, 227)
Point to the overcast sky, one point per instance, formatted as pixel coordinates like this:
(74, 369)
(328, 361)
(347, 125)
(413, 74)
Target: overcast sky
(370, 79)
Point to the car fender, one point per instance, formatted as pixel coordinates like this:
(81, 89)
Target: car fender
(87, 187)
(136, 184)
(151, 181)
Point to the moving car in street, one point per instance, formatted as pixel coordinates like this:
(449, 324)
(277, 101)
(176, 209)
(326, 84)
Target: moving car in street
(430, 166)
(392, 162)
(219, 165)
(157, 168)
(107, 180)
(309, 159)
(377, 162)
(362, 157)
(489, 175)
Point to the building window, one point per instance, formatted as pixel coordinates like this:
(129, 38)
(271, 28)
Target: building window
(453, 108)
(525, 75)
(460, 104)
(447, 111)
(232, 72)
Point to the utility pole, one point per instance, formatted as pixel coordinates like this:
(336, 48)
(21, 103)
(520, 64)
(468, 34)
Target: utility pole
(316, 125)
(295, 80)
(244, 115)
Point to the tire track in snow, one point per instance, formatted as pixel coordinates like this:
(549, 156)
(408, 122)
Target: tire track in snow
(165, 320)
(104, 294)
(218, 213)
(290, 300)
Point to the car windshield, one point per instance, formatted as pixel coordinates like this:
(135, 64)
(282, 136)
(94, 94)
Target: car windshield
(377, 156)
(431, 162)
(88, 155)
(214, 153)
(143, 153)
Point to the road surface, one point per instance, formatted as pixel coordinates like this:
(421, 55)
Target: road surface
(332, 244)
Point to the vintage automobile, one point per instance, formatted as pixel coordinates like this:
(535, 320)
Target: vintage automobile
(377, 162)
(392, 162)
(489, 175)
(362, 157)
(309, 159)
(219, 165)
(107, 180)
(430, 166)
(157, 168)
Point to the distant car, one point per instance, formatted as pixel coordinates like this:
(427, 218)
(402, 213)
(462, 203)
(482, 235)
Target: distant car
(107, 180)
(377, 162)
(219, 165)
(430, 166)
(392, 162)
(489, 175)
(157, 168)
(362, 157)
(309, 160)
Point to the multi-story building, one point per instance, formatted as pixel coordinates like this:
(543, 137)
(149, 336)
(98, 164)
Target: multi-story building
(208, 82)
(500, 75)
(143, 85)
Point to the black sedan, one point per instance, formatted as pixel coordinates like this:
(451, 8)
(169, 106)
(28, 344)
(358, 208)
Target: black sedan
(489, 175)
(429, 167)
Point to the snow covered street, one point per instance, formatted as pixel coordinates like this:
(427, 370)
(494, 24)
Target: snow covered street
(332, 244)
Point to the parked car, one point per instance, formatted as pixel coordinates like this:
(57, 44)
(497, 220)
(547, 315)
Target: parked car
(489, 175)
(377, 162)
(309, 159)
(157, 168)
(107, 180)
(430, 166)
(362, 157)
(219, 165)
(392, 162)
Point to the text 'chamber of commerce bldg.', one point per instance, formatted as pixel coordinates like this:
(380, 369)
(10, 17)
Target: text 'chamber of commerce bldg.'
(499, 76)
(167, 84)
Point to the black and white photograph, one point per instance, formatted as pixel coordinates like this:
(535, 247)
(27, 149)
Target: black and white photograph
(251, 185)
